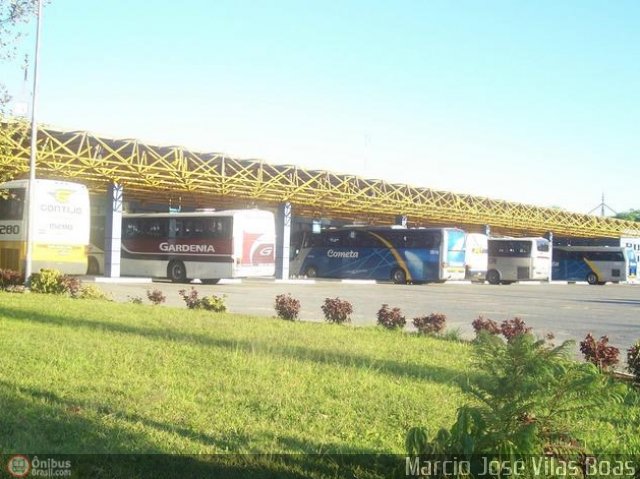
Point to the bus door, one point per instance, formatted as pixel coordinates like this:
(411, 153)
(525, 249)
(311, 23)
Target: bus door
(632, 261)
(454, 257)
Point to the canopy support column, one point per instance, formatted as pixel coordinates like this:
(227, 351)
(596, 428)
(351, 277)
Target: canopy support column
(283, 240)
(113, 230)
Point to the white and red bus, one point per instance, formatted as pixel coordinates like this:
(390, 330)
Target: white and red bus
(204, 245)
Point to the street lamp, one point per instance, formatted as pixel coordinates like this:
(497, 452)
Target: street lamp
(32, 157)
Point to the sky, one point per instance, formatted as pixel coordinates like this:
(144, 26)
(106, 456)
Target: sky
(534, 102)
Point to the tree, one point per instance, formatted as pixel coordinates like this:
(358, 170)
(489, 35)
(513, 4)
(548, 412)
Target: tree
(631, 215)
(12, 14)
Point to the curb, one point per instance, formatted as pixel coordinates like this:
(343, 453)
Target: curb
(295, 281)
(126, 280)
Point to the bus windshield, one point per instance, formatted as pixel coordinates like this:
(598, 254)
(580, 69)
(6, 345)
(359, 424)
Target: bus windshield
(12, 203)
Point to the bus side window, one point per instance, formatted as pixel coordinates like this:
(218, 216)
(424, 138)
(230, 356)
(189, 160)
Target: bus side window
(613, 256)
(398, 239)
(432, 240)
(198, 228)
(334, 239)
(177, 227)
(131, 229)
(593, 255)
(366, 240)
(187, 228)
(153, 228)
(219, 228)
(316, 241)
(542, 245)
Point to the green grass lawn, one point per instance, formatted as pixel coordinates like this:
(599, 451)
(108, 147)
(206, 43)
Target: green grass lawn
(82, 376)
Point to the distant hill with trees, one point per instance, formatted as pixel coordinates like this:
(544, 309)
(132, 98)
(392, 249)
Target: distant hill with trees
(631, 215)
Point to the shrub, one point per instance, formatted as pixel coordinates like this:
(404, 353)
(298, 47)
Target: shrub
(431, 324)
(488, 325)
(287, 307)
(391, 318)
(134, 299)
(214, 303)
(51, 281)
(527, 403)
(9, 278)
(156, 296)
(337, 310)
(210, 303)
(46, 281)
(598, 352)
(91, 291)
(70, 285)
(191, 298)
(633, 360)
(511, 328)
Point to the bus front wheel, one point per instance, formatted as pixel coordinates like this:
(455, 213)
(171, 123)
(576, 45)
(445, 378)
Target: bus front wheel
(493, 277)
(93, 268)
(311, 272)
(592, 278)
(398, 276)
(176, 272)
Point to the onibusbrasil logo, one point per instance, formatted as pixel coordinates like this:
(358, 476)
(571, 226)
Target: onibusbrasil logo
(19, 466)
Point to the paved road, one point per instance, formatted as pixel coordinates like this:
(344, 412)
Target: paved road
(569, 311)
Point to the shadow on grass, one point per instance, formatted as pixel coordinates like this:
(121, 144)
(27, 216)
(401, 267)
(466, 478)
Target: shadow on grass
(74, 409)
(40, 423)
(432, 373)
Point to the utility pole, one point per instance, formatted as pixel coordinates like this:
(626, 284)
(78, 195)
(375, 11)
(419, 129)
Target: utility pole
(34, 147)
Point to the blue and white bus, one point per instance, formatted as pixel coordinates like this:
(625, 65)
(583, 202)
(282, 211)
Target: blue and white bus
(401, 255)
(593, 264)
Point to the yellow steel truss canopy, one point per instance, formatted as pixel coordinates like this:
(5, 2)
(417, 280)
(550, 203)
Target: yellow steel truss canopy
(162, 174)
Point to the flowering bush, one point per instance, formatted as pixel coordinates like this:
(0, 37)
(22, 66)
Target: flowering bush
(598, 352)
(337, 310)
(391, 318)
(511, 328)
(156, 296)
(210, 303)
(486, 324)
(633, 360)
(431, 324)
(9, 278)
(287, 307)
